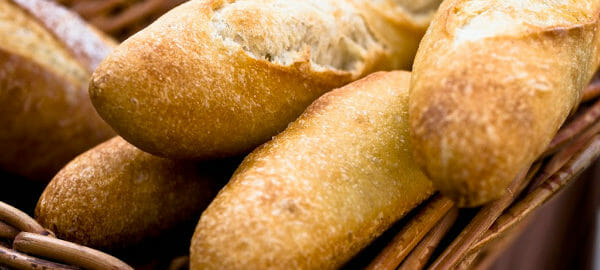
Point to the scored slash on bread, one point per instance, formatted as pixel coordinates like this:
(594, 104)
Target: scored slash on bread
(47, 55)
(217, 78)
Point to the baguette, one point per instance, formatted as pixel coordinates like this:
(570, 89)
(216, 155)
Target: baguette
(215, 78)
(319, 192)
(114, 195)
(492, 83)
(47, 55)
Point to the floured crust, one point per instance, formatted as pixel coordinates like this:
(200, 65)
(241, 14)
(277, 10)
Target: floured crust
(46, 114)
(474, 20)
(484, 104)
(22, 34)
(320, 191)
(87, 45)
(115, 195)
(190, 87)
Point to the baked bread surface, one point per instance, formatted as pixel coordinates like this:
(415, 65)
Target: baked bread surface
(115, 195)
(45, 111)
(492, 83)
(218, 78)
(323, 189)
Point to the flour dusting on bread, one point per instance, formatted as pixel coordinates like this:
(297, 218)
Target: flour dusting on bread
(334, 35)
(21, 34)
(478, 19)
(85, 45)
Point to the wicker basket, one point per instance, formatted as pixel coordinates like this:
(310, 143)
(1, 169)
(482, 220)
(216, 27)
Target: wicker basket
(423, 239)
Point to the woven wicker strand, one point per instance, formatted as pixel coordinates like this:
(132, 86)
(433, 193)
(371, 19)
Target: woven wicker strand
(19, 220)
(577, 126)
(479, 225)
(30, 239)
(420, 255)
(485, 258)
(405, 241)
(516, 217)
(22, 261)
(60, 250)
(542, 194)
(7, 231)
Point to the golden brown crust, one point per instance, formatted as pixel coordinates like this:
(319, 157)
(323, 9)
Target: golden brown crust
(181, 89)
(46, 120)
(319, 192)
(115, 195)
(45, 111)
(484, 102)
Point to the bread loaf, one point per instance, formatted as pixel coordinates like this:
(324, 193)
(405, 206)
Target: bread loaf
(319, 192)
(215, 78)
(492, 83)
(114, 195)
(47, 55)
